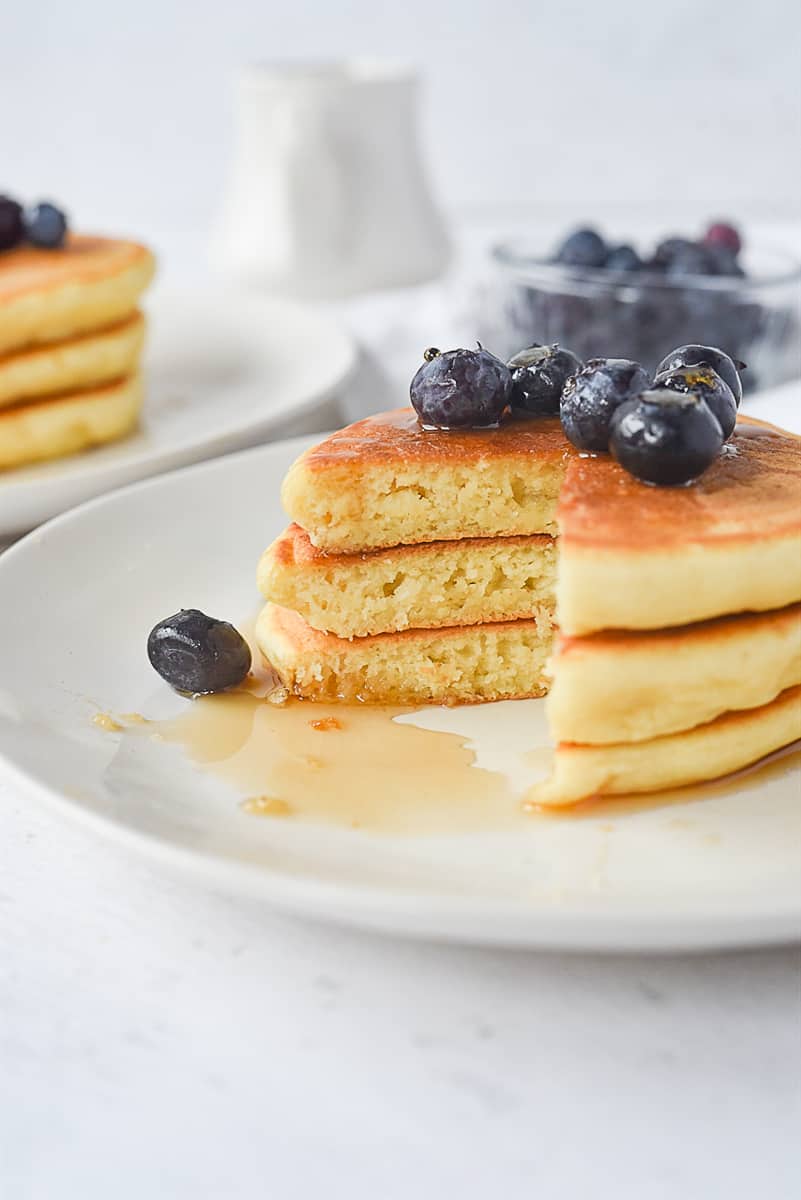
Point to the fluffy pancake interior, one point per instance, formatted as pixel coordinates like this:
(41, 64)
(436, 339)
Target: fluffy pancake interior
(384, 482)
(438, 666)
(419, 587)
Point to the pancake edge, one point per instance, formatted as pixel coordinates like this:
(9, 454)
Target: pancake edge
(634, 686)
(729, 743)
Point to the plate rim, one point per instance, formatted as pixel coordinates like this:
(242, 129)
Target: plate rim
(581, 930)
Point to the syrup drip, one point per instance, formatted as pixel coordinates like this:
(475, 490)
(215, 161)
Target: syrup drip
(346, 765)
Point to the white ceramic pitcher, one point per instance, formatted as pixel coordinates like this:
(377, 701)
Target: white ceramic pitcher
(327, 194)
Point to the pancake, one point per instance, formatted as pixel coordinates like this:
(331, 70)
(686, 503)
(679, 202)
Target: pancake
(623, 686)
(729, 743)
(460, 665)
(51, 295)
(76, 363)
(385, 481)
(630, 555)
(69, 422)
(409, 587)
(639, 557)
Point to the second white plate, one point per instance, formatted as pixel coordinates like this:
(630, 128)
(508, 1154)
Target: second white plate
(223, 371)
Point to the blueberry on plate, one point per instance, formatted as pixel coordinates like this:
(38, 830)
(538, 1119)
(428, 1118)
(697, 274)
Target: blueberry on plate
(667, 438)
(11, 227)
(590, 398)
(460, 389)
(198, 654)
(538, 376)
(582, 248)
(708, 384)
(45, 225)
(623, 258)
(690, 356)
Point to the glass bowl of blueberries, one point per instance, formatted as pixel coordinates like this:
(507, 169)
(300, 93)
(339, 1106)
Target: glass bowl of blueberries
(600, 297)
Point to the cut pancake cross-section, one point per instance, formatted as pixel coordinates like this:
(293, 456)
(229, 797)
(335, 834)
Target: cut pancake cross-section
(422, 586)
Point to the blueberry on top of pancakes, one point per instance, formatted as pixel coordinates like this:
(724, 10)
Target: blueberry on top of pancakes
(460, 389)
(665, 437)
(590, 397)
(539, 375)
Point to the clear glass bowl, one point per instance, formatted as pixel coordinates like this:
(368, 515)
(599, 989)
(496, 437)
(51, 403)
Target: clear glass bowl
(600, 313)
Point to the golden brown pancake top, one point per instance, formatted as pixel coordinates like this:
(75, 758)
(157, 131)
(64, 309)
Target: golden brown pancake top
(752, 490)
(84, 258)
(397, 437)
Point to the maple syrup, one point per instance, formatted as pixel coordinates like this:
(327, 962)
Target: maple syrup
(347, 765)
(356, 766)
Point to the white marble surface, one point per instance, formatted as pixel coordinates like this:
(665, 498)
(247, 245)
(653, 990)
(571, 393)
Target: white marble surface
(159, 1041)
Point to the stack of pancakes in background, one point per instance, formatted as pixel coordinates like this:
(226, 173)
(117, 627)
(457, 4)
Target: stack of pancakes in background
(425, 567)
(71, 337)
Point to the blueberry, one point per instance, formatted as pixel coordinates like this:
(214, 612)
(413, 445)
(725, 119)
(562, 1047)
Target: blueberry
(706, 383)
(538, 376)
(590, 398)
(11, 227)
(690, 259)
(583, 248)
(667, 250)
(623, 258)
(461, 389)
(693, 355)
(723, 234)
(723, 260)
(45, 225)
(198, 654)
(665, 437)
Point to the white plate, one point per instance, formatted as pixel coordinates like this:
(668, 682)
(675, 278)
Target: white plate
(224, 370)
(79, 595)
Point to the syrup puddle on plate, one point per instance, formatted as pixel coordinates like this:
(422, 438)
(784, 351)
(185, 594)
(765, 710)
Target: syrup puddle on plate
(356, 766)
(346, 765)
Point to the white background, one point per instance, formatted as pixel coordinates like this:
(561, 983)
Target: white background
(679, 109)
(158, 1041)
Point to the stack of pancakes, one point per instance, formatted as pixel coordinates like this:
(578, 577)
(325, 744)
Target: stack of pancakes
(426, 567)
(71, 337)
